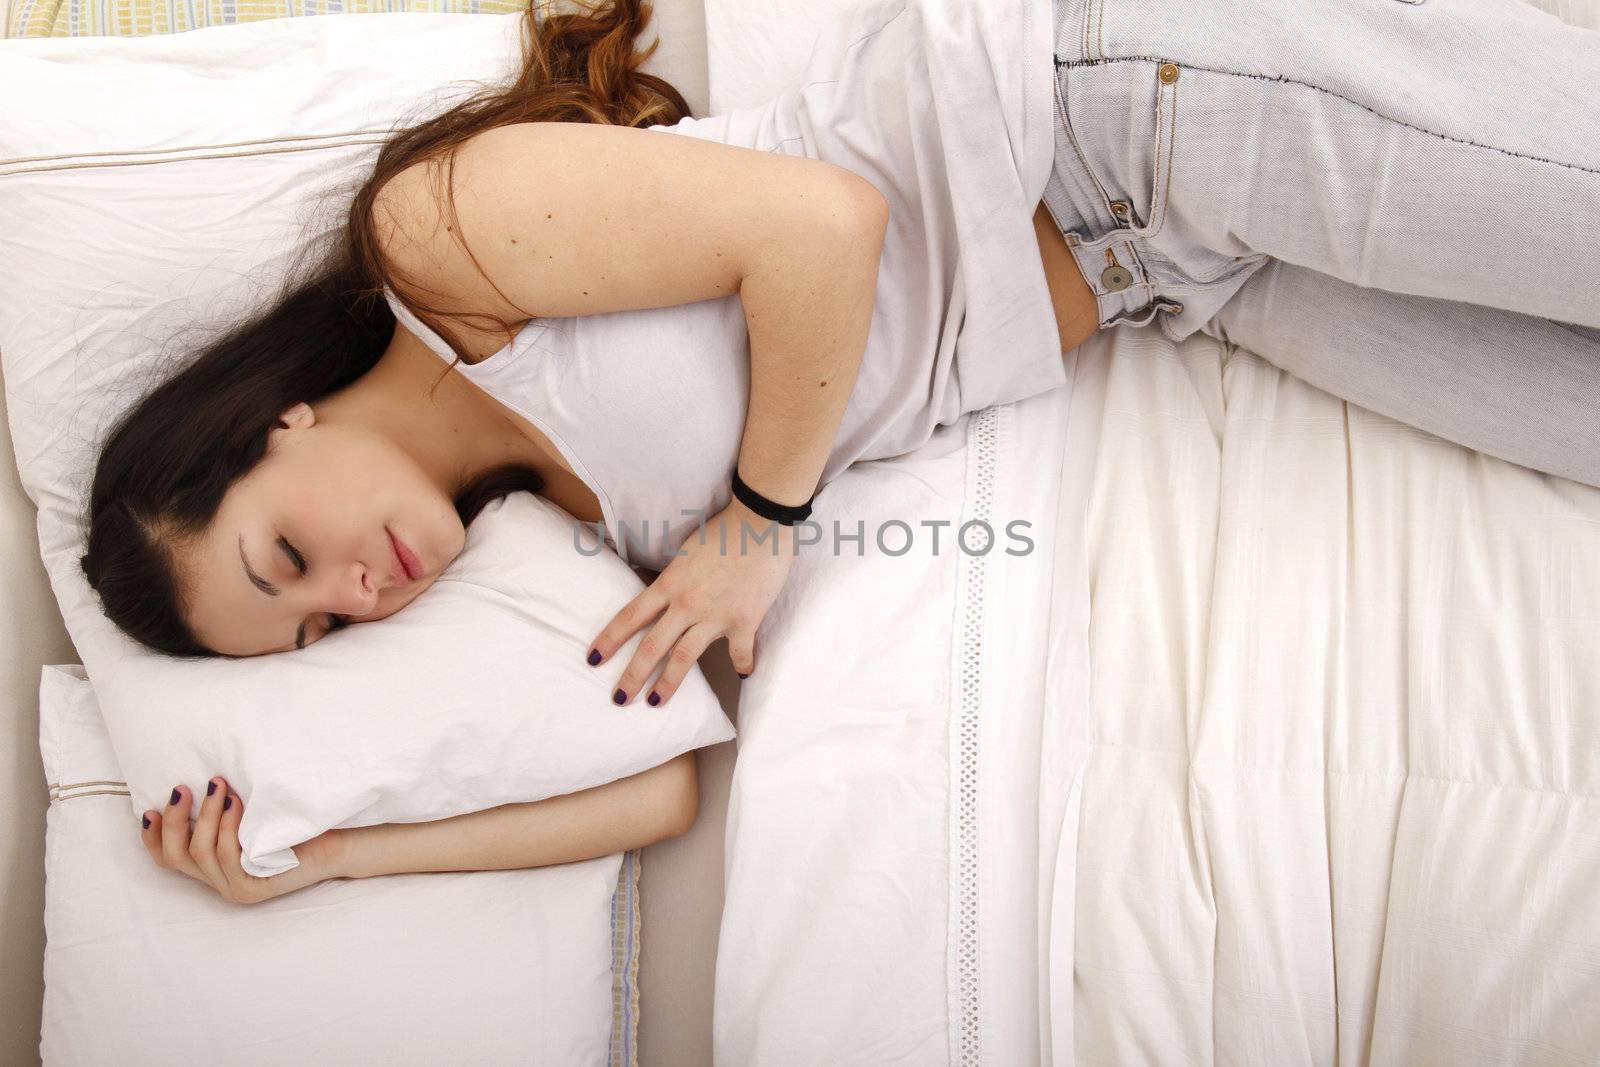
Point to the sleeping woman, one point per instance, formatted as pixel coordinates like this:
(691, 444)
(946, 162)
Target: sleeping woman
(693, 334)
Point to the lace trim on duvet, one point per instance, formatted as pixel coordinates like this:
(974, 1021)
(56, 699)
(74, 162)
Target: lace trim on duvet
(982, 451)
(624, 1050)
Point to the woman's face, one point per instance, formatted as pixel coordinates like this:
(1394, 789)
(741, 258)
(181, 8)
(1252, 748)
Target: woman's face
(302, 544)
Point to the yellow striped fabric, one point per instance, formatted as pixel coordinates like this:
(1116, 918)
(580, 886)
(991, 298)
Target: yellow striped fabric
(135, 18)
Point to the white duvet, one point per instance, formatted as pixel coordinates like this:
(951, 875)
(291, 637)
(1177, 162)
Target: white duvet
(1338, 758)
(1339, 800)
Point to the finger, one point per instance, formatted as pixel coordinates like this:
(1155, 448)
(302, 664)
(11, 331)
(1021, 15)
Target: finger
(175, 834)
(150, 835)
(742, 651)
(228, 850)
(685, 654)
(203, 839)
(624, 624)
(655, 646)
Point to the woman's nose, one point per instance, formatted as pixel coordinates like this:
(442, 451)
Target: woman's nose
(356, 593)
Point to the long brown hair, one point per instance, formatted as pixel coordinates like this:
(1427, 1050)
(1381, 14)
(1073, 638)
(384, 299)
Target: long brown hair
(167, 463)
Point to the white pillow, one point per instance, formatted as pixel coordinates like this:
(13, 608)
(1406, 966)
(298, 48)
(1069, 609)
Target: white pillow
(476, 694)
(153, 183)
(146, 965)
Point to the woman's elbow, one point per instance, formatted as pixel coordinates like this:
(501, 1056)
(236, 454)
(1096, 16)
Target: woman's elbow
(683, 801)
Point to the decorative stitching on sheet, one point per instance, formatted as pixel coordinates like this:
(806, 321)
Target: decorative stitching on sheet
(74, 790)
(982, 438)
(185, 159)
(194, 147)
(1295, 81)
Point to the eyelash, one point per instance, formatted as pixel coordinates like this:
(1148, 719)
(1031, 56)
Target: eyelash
(335, 622)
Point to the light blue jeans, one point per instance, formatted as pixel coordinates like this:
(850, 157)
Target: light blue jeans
(1396, 201)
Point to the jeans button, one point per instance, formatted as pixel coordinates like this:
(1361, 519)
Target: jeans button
(1116, 278)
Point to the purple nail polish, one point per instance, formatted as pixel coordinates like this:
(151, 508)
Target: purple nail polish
(655, 698)
(619, 697)
(594, 656)
(147, 822)
(211, 787)
(174, 799)
(227, 802)
(742, 675)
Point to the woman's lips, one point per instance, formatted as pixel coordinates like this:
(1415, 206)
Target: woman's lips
(410, 565)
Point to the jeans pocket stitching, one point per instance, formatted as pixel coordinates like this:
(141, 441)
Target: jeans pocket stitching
(1166, 139)
(1087, 39)
(1077, 146)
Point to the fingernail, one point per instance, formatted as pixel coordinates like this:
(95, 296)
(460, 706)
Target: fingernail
(174, 799)
(619, 697)
(211, 787)
(742, 675)
(655, 698)
(227, 802)
(594, 656)
(147, 822)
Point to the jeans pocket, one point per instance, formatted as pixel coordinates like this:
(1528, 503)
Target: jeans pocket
(1166, 128)
(1135, 187)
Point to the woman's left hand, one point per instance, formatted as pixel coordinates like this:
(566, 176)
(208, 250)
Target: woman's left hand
(210, 854)
(709, 591)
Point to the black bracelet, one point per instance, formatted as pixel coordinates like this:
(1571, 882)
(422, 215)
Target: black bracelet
(786, 514)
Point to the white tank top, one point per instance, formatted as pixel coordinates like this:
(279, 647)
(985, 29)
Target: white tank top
(945, 106)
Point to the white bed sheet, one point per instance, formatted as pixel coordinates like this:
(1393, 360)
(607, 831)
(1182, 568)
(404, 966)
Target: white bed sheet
(883, 882)
(1338, 758)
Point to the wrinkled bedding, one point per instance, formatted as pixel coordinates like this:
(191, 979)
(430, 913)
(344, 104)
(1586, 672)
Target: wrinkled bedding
(1325, 792)
(1344, 742)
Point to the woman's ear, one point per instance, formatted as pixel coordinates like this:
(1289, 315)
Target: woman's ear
(298, 417)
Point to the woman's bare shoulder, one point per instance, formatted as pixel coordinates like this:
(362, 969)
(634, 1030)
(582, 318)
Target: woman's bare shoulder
(556, 219)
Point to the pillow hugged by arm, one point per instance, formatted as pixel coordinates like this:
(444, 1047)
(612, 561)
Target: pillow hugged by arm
(631, 812)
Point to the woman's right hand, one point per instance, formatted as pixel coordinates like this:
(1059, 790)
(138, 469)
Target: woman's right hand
(210, 853)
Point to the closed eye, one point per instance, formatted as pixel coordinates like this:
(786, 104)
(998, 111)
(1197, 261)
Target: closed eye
(334, 622)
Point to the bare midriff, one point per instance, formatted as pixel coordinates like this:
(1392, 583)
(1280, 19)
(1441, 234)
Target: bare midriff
(1077, 311)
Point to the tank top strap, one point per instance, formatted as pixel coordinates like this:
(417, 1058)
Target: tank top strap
(409, 320)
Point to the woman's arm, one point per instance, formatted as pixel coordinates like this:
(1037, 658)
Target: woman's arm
(560, 219)
(631, 812)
